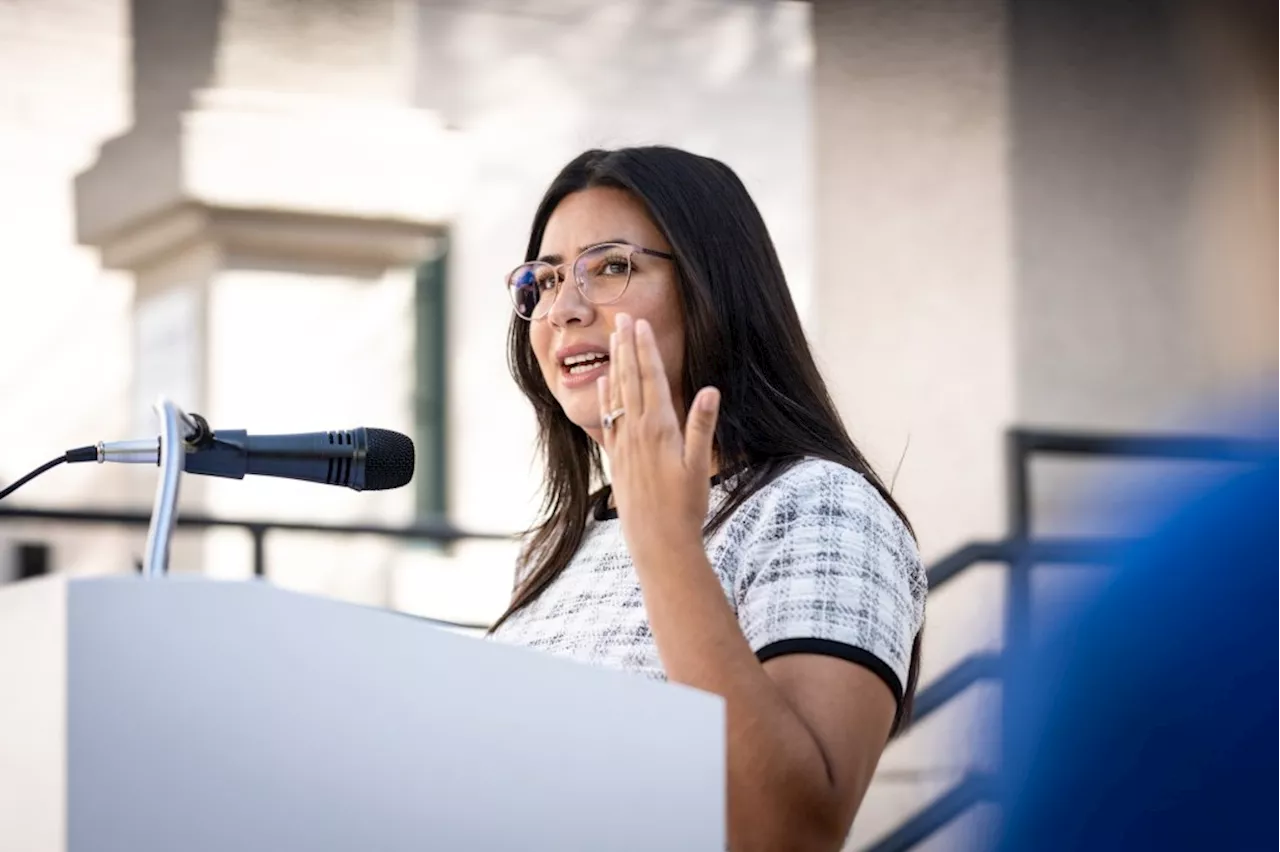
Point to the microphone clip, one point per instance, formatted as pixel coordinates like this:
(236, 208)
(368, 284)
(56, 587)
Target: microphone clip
(201, 438)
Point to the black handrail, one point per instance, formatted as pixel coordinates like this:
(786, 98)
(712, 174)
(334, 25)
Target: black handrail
(436, 530)
(958, 678)
(1020, 552)
(985, 666)
(959, 560)
(973, 789)
(1044, 551)
(1204, 447)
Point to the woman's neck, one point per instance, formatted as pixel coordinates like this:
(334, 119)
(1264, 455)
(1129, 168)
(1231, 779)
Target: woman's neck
(715, 471)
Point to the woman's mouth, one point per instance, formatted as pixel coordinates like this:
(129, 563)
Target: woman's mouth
(583, 367)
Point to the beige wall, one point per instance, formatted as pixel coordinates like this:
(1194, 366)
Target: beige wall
(1145, 219)
(914, 315)
(1231, 57)
(914, 300)
(1102, 154)
(1053, 213)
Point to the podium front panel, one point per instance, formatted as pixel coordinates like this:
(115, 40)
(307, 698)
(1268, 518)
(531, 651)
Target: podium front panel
(207, 715)
(33, 715)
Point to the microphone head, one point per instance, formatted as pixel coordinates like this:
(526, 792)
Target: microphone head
(389, 460)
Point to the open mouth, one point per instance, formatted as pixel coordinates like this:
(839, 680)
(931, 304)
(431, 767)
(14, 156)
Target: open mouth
(584, 363)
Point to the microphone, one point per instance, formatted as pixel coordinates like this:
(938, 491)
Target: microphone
(362, 459)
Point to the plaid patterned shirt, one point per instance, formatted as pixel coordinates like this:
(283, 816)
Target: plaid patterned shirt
(814, 562)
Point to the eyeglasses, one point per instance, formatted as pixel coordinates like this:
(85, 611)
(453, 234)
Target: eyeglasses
(601, 273)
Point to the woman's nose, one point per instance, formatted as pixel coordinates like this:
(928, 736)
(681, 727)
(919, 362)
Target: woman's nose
(569, 305)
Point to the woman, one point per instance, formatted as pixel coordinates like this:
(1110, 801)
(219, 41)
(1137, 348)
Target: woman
(742, 545)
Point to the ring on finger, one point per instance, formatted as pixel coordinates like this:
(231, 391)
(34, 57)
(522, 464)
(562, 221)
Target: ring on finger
(612, 417)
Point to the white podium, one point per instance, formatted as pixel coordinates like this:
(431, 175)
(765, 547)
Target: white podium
(189, 715)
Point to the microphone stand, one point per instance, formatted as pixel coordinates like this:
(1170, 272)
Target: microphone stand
(176, 428)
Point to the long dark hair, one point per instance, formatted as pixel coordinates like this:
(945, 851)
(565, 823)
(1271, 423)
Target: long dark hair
(742, 335)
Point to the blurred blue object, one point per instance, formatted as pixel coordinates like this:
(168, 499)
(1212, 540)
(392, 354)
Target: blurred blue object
(1150, 719)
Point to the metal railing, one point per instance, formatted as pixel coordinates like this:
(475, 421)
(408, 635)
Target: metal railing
(1020, 553)
(436, 530)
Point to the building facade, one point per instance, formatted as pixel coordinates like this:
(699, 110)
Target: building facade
(296, 216)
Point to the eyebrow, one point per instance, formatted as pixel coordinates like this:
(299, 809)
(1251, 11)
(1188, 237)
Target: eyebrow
(554, 259)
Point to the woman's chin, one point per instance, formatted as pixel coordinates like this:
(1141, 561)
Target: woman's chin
(586, 418)
(590, 425)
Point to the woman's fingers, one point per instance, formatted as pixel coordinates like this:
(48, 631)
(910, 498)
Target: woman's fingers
(624, 375)
(655, 392)
(700, 432)
(605, 398)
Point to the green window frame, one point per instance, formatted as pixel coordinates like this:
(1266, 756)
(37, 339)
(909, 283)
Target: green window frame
(431, 384)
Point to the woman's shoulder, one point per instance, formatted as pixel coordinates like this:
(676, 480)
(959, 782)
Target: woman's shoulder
(823, 504)
(824, 488)
(812, 471)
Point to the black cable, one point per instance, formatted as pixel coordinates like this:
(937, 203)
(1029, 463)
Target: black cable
(82, 454)
(79, 454)
(32, 475)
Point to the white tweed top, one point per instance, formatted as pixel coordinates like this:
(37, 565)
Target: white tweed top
(814, 562)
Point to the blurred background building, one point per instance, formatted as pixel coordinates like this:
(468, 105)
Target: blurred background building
(296, 215)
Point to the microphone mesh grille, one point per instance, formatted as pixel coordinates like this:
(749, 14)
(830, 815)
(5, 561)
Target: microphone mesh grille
(389, 461)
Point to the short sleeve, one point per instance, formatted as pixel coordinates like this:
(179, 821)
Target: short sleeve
(827, 567)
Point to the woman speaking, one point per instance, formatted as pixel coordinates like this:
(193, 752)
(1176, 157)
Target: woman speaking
(707, 518)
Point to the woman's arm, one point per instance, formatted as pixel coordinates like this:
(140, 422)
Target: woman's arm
(804, 731)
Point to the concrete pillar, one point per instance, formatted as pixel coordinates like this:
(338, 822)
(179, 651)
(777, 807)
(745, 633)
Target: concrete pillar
(1099, 173)
(914, 301)
(272, 198)
(1231, 59)
(64, 348)
(914, 317)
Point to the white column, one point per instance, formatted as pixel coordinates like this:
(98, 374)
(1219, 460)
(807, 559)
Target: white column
(272, 199)
(64, 342)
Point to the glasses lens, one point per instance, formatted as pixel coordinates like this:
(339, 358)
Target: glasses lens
(603, 273)
(531, 287)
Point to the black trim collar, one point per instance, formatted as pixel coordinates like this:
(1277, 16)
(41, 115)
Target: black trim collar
(601, 511)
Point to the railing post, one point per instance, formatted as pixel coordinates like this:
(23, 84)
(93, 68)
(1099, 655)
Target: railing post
(259, 534)
(1018, 593)
(1018, 603)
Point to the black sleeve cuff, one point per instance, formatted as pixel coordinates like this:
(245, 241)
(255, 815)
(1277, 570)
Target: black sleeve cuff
(832, 648)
